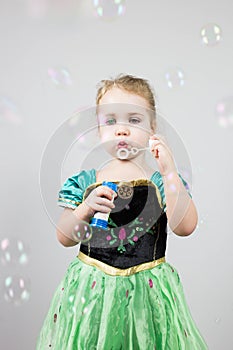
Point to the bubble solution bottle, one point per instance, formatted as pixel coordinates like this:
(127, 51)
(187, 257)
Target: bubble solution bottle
(100, 220)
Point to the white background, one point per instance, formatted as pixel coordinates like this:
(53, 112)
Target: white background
(149, 40)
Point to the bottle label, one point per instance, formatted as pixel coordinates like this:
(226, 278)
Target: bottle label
(102, 216)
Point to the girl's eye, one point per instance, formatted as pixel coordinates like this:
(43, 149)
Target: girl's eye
(111, 121)
(134, 120)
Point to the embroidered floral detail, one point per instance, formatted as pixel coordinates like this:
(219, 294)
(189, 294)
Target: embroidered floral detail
(128, 234)
(122, 234)
(150, 283)
(152, 230)
(111, 222)
(121, 249)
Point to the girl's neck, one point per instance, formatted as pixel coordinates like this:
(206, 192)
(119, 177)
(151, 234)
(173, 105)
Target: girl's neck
(124, 170)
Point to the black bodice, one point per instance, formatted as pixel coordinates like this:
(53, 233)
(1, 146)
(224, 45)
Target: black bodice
(136, 228)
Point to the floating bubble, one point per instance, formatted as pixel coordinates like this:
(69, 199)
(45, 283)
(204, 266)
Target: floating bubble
(80, 138)
(13, 251)
(174, 78)
(82, 232)
(224, 112)
(202, 221)
(172, 188)
(76, 119)
(59, 76)
(125, 190)
(218, 320)
(186, 174)
(211, 34)
(16, 290)
(8, 111)
(73, 121)
(108, 10)
(99, 154)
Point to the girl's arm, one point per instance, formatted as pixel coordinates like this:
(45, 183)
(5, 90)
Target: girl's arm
(100, 199)
(181, 211)
(68, 220)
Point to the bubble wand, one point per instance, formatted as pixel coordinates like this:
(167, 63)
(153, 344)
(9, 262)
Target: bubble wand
(123, 153)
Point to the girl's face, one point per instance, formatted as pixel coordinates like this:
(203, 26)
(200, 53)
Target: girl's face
(124, 121)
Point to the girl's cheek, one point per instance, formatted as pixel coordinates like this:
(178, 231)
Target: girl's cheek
(105, 137)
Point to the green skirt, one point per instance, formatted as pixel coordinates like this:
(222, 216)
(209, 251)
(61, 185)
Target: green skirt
(93, 310)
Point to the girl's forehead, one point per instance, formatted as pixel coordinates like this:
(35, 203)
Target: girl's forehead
(117, 95)
(121, 109)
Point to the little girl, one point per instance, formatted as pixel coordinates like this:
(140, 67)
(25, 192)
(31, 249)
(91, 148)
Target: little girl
(119, 292)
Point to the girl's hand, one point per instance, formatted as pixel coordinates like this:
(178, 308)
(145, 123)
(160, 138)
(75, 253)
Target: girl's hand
(162, 154)
(101, 199)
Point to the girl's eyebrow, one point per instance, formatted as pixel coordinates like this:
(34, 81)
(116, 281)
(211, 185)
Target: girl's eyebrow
(129, 114)
(136, 113)
(110, 115)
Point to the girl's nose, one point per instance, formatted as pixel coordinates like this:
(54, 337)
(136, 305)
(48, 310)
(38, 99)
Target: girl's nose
(122, 131)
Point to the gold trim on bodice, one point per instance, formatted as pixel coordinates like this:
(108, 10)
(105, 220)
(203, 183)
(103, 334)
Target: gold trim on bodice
(133, 183)
(115, 271)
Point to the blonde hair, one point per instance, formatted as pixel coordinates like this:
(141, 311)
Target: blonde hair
(132, 84)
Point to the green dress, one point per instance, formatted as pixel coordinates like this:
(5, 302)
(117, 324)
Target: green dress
(120, 293)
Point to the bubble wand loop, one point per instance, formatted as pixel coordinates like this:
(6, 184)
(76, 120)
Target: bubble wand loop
(123, 153)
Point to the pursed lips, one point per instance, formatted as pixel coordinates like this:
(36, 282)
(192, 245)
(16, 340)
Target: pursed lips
(122, 144)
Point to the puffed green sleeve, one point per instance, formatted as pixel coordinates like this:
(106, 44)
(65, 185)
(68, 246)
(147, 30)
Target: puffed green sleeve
(158, 181)
(73, 189)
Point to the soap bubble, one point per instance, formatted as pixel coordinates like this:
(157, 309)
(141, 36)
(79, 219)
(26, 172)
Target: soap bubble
(125, 189)
(74, 120)
(186, 174)
(136, 212)
(59, 76)
(202, 221)
(13, 251)
(174, 78)
(16, 289)
(224, 112)
(8, 112)
(82, 232)
(211, 34)
(108, 10)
